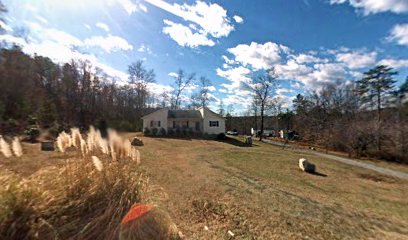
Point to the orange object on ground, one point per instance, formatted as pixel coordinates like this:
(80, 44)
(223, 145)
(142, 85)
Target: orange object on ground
(136, 211)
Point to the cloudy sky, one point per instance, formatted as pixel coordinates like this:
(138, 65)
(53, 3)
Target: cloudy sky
(309, 42)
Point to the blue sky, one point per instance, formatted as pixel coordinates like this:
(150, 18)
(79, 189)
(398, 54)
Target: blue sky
(309, 42)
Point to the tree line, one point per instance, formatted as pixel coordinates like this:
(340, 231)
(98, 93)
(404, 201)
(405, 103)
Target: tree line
(57, 96)
(366, 118)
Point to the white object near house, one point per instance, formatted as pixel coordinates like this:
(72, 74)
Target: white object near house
(266, 132)
(201, 120)
(281, 134)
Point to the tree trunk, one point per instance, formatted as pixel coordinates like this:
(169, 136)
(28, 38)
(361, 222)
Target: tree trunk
(262, 121)
(401, 129)
(378, 120)
(256, 122)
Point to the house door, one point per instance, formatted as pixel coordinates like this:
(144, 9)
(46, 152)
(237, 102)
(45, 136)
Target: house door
(197, 126)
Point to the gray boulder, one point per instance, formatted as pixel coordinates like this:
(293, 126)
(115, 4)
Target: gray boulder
(137, 142)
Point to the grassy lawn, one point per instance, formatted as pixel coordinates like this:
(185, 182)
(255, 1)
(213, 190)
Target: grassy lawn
(258, 192)
(262, 194)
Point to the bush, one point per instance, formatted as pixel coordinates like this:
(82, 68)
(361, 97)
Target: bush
(221, 136)
(147, 131)
(32, 134)
(184, 132)
(55, 129)
(170, 132)
(155, 131)
(190, 132)
(162, 132)
(178, 132)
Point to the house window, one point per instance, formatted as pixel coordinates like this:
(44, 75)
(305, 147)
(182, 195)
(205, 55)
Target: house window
(151, 123)
(214, 124)
(174, 124)
(158, 123)
(187, 124)
(197, 126)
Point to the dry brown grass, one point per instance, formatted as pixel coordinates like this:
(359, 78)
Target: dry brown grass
(260, 193)
(74, 197)
(256, 193)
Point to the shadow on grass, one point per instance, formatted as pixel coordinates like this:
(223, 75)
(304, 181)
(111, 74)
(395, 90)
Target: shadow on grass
(319, 174)
(161, 138)
(235, 142)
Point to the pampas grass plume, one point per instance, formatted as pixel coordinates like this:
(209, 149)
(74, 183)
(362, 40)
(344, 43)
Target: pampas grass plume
(84, 148)
(136, 156)
(97, 163)
(76, 137)
(5, 147)
(16, 146)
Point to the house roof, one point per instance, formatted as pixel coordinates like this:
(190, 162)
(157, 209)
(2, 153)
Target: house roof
(184, 114)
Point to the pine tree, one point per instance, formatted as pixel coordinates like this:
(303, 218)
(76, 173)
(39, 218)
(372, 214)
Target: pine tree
(376, 85)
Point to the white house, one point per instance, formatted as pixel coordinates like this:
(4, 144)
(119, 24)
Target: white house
(201, 120)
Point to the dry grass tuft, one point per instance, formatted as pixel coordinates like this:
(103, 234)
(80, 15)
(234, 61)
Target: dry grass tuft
(82, 200)
(5, 148)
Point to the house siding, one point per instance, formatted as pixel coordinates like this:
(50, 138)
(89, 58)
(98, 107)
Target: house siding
(210, 116)
(160, 115)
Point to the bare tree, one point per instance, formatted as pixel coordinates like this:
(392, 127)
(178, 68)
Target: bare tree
(221, 109)
(262, 86)
(182, 81)
(202, 97)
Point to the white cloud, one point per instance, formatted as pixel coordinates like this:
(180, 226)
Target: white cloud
(109, 43)
(307, 58)
(395, 63)
(130, 7)
(399, 34)
(87, 26)
(184, 36)
(376, 6)
(173, 74)
(282, 91)
(40, 33)
(144, 49)
(157, 88)
(143, 7)
(292, 70)
(244, 102)
(103, 26)
(327, 73)
(212, 88)
(258, 56)
(227, 60)
(236, 75)
(62, 53)
(4, 26)
(41, 19)
(357, 59)
(207, 20)
(212, 18)
(238, 19)
(10, 39)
